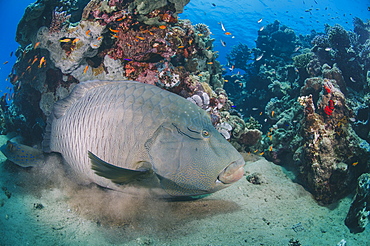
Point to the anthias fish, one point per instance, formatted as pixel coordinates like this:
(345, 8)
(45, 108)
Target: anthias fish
(116, 133)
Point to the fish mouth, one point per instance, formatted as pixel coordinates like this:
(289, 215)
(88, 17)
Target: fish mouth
(232, 173)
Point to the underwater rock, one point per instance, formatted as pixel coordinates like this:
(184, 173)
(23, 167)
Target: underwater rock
(330, 151)
(361, 29)
(338, 37)
(251, 137)
(359, 212)
(334, 73)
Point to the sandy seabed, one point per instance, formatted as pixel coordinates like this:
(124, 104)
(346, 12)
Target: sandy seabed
(43, 206)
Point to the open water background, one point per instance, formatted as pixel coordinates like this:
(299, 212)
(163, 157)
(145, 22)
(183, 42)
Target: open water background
(240, 18)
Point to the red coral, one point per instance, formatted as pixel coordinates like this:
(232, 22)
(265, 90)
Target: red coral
(327, 89)
(327, 110)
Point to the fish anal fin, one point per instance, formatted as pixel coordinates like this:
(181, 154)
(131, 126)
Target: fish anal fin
(116, 174)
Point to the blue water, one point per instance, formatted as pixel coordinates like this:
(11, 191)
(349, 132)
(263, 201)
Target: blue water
(240, 18)
(11, 12)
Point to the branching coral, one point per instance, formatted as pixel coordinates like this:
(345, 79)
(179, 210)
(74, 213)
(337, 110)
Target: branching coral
(240, 56)
(338, 37)
(321, 41)
(59, 19)
(202, 29)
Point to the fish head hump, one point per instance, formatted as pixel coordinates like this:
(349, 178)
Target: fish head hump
(190, 157)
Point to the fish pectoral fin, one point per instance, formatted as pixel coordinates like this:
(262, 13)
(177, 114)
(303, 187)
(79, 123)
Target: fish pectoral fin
(116, 174)
(173, 189)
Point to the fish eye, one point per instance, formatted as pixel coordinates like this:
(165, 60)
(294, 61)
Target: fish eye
(205, 133)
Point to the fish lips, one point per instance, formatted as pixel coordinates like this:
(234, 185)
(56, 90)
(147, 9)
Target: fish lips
(232, 173)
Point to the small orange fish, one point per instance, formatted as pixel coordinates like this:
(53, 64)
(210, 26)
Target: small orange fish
(121, 19)
(200, 34)
(190, 41)
(65, 40)
(75, 41)
(355, 163)
(88, 32)
(28, 68)
(114, 36)
(34, 60)
(226, 80)
(262, 153)
(162, 27)
(255, 151)
(209, 63)
(141, 38)
(181, 47)
(113, 30)
(99, 38)
(86, 68)
(270, 148)
(261, 113)
(272, 113)
(36, 45)
(42, 62)
(228, 33)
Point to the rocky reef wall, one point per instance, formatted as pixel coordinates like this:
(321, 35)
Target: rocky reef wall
(65, 42)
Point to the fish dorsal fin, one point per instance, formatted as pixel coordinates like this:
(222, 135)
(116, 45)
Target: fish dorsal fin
(116, 174)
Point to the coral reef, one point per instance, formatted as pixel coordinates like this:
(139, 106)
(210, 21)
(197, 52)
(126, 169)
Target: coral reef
(330, 146)
(311, 96)
(63, 43)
